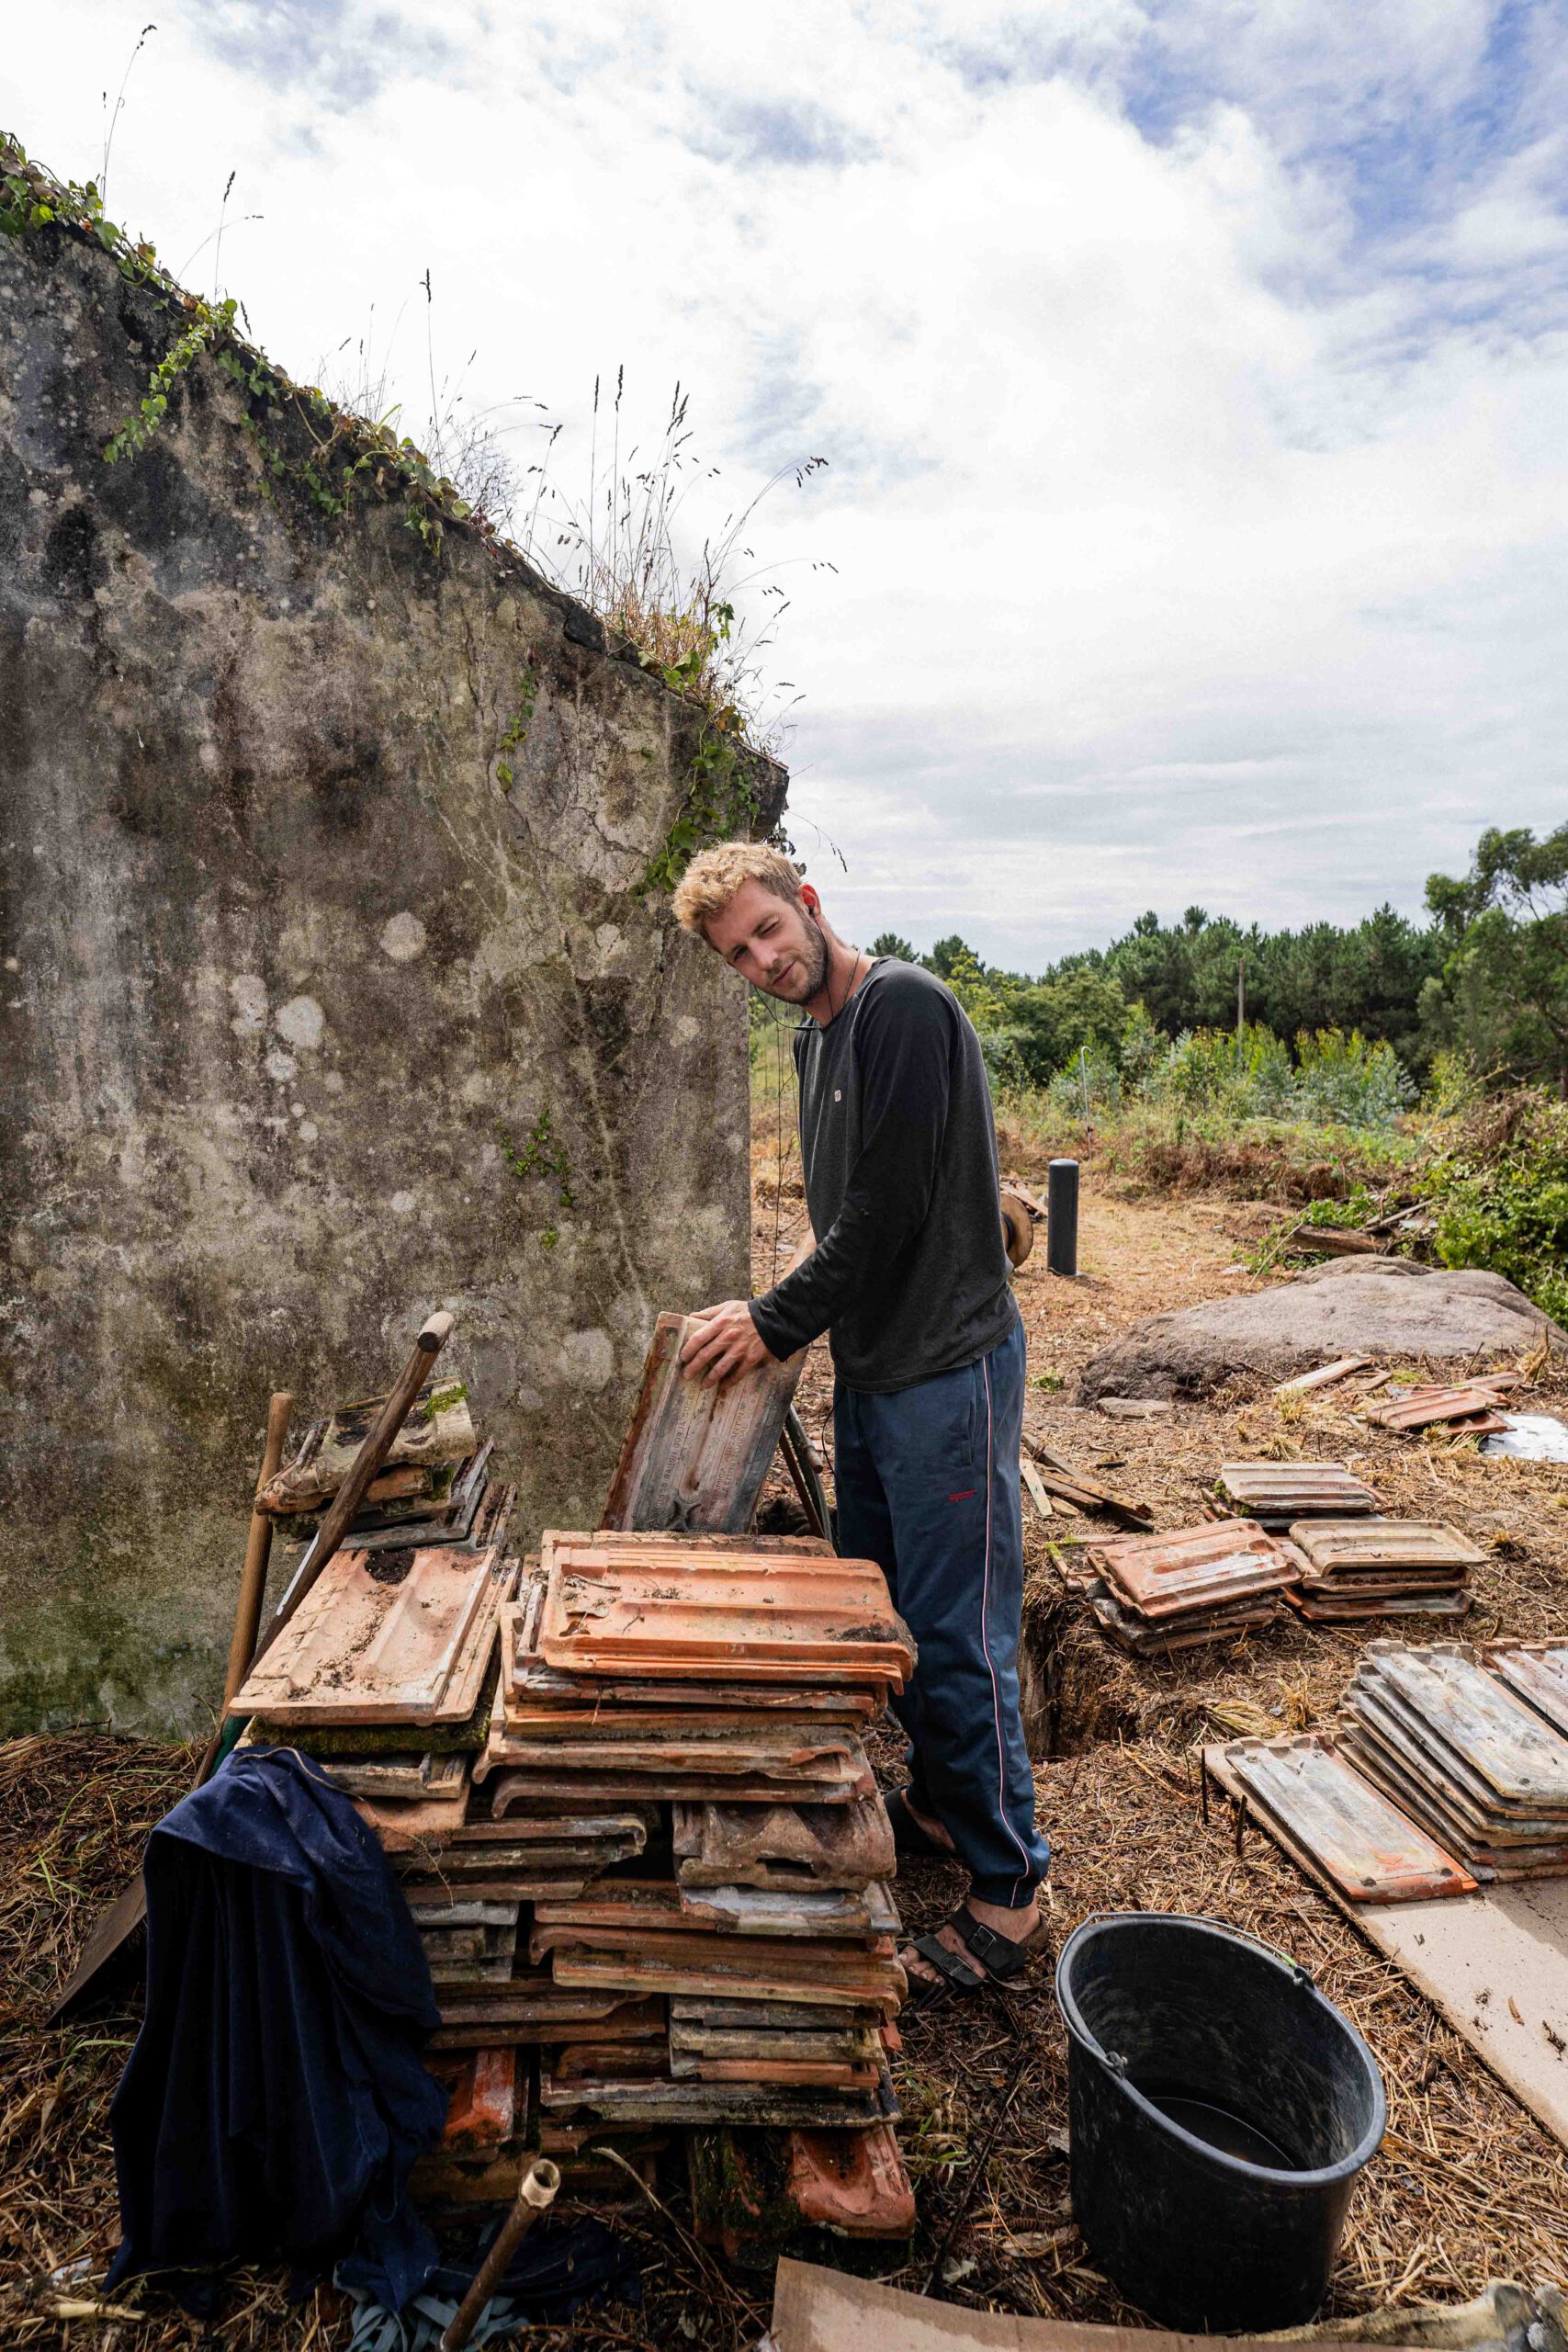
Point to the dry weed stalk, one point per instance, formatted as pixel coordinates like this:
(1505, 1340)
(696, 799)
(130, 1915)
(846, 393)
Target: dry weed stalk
(622, 548)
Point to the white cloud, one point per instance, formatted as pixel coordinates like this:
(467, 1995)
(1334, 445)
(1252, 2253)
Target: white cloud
(1192, 380)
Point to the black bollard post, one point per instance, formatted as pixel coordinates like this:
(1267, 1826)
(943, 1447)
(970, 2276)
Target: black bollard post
(1062, 1217)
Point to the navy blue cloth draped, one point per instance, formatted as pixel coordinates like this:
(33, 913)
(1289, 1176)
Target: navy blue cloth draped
(276, 2099)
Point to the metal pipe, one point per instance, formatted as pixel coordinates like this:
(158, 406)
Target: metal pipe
(1062, 1217)
(534, 2195)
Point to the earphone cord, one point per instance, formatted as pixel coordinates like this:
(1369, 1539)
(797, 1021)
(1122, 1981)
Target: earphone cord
(834, 1009)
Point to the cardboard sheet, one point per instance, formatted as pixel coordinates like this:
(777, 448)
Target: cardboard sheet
(1495, 1963)
(825, 2310)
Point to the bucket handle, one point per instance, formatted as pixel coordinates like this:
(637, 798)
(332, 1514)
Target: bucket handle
(1206, 1919)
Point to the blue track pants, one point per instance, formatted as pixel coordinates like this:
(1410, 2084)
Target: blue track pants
(928, 1487)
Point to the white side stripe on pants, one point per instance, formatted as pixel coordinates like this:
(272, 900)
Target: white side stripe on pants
(985, 1635)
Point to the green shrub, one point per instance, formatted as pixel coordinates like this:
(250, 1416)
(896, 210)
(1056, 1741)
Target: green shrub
(1500, 1197)
(1246, 1071)
(1343, 1077)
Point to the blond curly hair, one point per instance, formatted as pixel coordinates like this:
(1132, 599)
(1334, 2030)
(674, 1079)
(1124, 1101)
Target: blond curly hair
(714, 874)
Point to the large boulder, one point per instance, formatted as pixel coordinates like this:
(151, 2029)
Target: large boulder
(1385, 1308)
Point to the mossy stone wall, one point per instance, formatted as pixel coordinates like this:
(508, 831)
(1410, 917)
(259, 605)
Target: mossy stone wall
(322, 853)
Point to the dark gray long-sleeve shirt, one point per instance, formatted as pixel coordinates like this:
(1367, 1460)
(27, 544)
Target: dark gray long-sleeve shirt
(909, 1276)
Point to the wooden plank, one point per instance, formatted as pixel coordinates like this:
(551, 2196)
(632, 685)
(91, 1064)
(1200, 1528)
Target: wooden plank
(1086, 1493)
(1325, 1375)
(1497, 1966)
(1036, 1486)
(694, 1456)
(1493, 1963)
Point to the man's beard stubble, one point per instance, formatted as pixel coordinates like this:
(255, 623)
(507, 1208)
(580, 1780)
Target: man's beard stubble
(813, 961)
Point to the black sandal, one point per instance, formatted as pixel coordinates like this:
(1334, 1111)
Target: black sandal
(996, 1958)
(910, 1842)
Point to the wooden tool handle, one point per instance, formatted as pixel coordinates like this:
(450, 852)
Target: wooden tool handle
(535, 2194)
(258, 1550)
(366, 1463)
(253, 1579)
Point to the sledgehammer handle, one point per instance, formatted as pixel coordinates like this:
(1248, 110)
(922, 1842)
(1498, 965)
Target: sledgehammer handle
(366, 1463)
(539, 2184)
(258, 1546)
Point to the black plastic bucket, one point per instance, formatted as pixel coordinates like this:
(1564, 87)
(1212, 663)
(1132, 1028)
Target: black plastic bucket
(1220, 2108)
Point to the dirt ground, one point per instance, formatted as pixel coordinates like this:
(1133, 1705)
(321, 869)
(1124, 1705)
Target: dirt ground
(1467, 2186)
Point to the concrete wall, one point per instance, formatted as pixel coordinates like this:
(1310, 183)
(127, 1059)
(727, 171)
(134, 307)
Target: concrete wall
(283, 954)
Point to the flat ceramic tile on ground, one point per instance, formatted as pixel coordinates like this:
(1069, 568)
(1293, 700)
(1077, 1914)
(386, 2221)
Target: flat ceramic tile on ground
(1372, 1852)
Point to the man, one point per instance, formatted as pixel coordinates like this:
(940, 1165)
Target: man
(911, 1279)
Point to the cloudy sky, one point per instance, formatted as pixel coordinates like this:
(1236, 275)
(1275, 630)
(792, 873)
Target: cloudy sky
(1192, 377)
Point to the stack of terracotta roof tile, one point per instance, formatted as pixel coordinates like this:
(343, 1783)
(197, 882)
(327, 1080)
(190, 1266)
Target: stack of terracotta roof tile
(729, 1678)
(434, 1489)
(1278, 1494)
(1466, 1756)
(386, 1674)
(494, 2128)
(1154, 1594)
(704, 1669)
(1471, 1408)
(1382, 1567)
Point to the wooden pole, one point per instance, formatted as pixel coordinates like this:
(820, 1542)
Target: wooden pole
(258, 1550)
(252, 1576)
